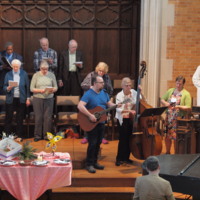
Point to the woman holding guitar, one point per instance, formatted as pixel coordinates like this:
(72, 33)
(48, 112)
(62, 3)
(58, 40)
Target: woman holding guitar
(94, 97)
(124, 116)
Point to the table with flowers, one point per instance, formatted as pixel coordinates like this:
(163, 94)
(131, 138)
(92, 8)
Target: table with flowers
(30, 182)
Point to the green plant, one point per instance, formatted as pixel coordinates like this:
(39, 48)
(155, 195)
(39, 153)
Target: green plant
(27, 152)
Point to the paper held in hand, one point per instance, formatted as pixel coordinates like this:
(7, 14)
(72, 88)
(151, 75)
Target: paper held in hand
(78, 63)
(13, 83)
(48, 89)
(45, 58)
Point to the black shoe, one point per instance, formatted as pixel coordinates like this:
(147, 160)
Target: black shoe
(90, 169)
(98, 166)
(36, 139)
(129, 161)
(118, 163)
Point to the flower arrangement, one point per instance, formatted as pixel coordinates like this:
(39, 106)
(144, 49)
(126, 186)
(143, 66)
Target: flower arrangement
(52, 142)
(27, 153)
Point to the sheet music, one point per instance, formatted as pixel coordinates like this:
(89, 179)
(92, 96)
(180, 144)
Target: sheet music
(13, 83)
(6, 61)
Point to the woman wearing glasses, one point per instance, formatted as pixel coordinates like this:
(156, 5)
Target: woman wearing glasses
(124, 116)
(43, 86)
(178, 101)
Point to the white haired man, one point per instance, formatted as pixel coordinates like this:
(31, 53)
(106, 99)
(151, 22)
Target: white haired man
(16, 87)
(70, 66)
(45, 53)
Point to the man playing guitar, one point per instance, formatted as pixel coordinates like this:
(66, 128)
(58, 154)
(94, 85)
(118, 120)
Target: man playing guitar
(94, 97)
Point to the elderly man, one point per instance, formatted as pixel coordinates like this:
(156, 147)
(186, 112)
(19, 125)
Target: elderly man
(152, 186)
(16, 87)
(45, 53)
(70, 66)
(9, 55)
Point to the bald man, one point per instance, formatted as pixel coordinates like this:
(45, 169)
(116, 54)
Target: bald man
(45, 53)
(70, 66)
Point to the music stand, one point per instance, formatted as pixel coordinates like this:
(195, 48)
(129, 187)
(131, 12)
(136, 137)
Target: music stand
(151, 112)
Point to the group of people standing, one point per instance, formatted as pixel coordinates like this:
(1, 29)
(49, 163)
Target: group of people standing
(52, 73)
(14, 83)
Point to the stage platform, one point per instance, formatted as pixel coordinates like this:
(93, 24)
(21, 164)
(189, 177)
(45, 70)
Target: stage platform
(111, 183)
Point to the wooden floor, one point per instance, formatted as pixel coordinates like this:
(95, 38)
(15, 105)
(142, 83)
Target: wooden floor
(111, 183)
(107, 158)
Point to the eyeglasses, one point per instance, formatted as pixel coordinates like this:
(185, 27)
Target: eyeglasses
(128, 85)
(100, 82)
(44, 69)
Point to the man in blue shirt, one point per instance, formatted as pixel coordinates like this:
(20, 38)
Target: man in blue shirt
(94, 97)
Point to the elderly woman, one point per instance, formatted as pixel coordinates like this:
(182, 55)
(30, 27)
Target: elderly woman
(43, 86)
(16, 87)
(124, 116)
(101, 70)
(178, 101)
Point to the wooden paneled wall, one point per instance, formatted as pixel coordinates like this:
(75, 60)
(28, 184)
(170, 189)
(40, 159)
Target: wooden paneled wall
(106, 30)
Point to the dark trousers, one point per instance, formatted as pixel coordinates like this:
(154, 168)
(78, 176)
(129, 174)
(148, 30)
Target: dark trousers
(125, 132)
(43, 109)
(72, 85)
(20, 113)
(94, 141)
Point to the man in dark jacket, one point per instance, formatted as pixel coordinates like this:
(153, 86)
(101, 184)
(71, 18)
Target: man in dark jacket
(7, 55)
(70, 66)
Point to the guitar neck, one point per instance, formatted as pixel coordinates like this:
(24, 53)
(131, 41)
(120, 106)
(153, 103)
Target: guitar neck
(108, 110)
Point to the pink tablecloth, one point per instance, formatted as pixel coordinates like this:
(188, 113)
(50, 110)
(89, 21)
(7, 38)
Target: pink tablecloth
(30, 182)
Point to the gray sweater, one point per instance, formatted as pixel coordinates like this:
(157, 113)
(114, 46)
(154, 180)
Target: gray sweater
(40, 81)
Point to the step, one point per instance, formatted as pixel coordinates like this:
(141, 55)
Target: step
(94, 190)
(107, 190)
(103, 182)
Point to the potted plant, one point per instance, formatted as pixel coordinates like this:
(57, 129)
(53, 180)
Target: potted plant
(26, 155)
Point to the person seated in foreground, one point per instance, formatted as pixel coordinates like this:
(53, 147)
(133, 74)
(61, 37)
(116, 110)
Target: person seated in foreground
(152, 186)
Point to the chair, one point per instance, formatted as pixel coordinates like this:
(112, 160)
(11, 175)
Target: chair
(30, 117)
(2, 111)
(183, 138)
(64, 117)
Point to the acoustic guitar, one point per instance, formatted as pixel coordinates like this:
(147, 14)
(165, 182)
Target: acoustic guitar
(100, 115)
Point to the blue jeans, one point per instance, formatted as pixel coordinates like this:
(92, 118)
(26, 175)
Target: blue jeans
(94, 141)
